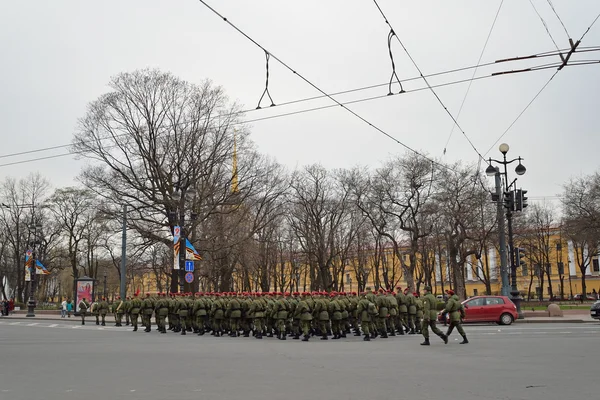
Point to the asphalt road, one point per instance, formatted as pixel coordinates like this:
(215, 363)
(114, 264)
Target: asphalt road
(63, 360)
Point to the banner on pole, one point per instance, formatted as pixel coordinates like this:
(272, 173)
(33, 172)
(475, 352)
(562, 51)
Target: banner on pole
(176, 246)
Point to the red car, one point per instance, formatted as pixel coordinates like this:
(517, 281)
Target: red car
(499, 309)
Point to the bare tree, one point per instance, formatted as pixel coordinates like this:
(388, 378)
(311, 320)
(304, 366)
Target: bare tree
(581, 210)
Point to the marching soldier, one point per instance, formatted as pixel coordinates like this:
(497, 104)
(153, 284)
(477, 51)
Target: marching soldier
(136, 308)
(393, 303)
(257, 310)
(304, 314)
(83, 307)
(365, 309)
(429, 317)
(95, 310)
(234, 309)
(127, 310)
(119, 308)
(456, 311)
(412, 310)
(403, 311)
(161, 312)
(419, 316)
(103, 306)
(182, 312)
(382, 305)
(147, 309)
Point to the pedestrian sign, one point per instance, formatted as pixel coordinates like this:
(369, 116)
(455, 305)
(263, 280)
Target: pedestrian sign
(189, 277)
(189, 266)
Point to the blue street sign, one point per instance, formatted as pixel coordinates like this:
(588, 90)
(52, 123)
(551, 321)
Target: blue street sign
(189, 277)
(189, 266)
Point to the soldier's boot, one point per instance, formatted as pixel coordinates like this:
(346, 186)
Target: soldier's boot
(426, 342)
(324, 337)
(305, 338)
(296, 336)
(343, 335)
(401, 332)
(384, 334)
(444, 338)
(412, 332)
(259, 335)
(357, 333)
(82, 322)
(270, 334)
(283, 336)
(134, 328)
(247, 334)
(465, 340)
(367, 338)
(393, 333)
(97, 322)
(183, 332)
(201, 332)
(335, 336)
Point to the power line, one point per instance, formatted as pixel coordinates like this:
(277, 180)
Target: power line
(546, 66)
(446, 72)
(589, 27)
(522, 112)
(474, 72)
(557, 16)
(425, 79)
(544, 23)
(330, 97)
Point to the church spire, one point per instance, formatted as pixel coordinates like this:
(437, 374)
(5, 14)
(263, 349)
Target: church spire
(234, 173)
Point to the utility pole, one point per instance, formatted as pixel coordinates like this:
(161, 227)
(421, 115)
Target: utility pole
(124, 254)
(501, 237)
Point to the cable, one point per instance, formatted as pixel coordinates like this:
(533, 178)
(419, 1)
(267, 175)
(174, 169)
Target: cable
(446, 72)
(318, 88)
(544, 23)
(425, 79)
(589, 27)
(474, 72)
(557, 16)
(522, 112)
(547, 66)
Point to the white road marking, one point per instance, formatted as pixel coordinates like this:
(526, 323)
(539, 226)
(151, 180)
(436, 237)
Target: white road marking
(52, 326)
(15, 323)
(34, 324)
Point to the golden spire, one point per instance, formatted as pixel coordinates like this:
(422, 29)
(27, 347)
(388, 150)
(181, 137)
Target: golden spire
(234, 177)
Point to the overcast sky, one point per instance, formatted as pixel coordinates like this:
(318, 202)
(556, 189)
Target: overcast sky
(57, 56)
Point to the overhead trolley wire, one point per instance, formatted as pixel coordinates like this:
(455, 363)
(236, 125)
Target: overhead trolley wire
(425, 79)
(473, 76)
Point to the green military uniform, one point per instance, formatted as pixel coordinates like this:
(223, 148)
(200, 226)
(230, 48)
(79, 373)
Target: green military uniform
(429, 317)
(419, 315)
(161, 312)
(412, 312)
(217, 312)
(234, 309)
(257, 310)
(402, 312)
(294, 323)
(304, 314)
(83, 307)
(119, 310)
(280, 314)
(182, 313)
(95, 310)
(127, 306)
(456, 310)
(200, 313)
(366, 311)
(393, 309)
(147, 310)
(321, 311)
(382, 305)
(136, 308)
(103, 308)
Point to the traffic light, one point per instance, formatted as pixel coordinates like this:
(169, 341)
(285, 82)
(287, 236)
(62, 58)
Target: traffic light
(520, 199)
(509, 200)
(520, 255)
(523, 199)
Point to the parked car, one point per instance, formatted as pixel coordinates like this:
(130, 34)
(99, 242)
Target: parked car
(595, 310)
(499, 309)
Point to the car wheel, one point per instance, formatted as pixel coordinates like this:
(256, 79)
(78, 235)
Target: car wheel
(506, 319)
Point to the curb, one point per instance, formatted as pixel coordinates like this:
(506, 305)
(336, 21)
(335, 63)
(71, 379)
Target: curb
(553, 321)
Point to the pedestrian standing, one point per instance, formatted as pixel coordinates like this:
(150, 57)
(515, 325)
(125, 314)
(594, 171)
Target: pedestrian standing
(69, 308)
(63, 308)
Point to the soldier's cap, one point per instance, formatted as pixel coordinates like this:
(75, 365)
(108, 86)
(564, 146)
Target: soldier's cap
(398, 288)
(353, 293)
(287, 293)
(118, 297)
(393, 293)
(147, 294)
(104, 298)
(406, 290)
(368, 288)
(428, 288)
(296, 293)
(450, 292)
(381, 290)
(416, 294)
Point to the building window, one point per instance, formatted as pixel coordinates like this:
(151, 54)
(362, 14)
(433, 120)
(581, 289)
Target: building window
(561, 268)
(524, 269)
(537, 270)
(475, 292)
(595, 265)
(549, 269)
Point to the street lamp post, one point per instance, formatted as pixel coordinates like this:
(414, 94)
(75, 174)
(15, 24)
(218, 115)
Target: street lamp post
(31, 303)
(104, 294)
(180, 194)
(509, 203)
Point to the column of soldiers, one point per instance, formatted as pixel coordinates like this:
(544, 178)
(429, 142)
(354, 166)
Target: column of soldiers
(297, 315)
